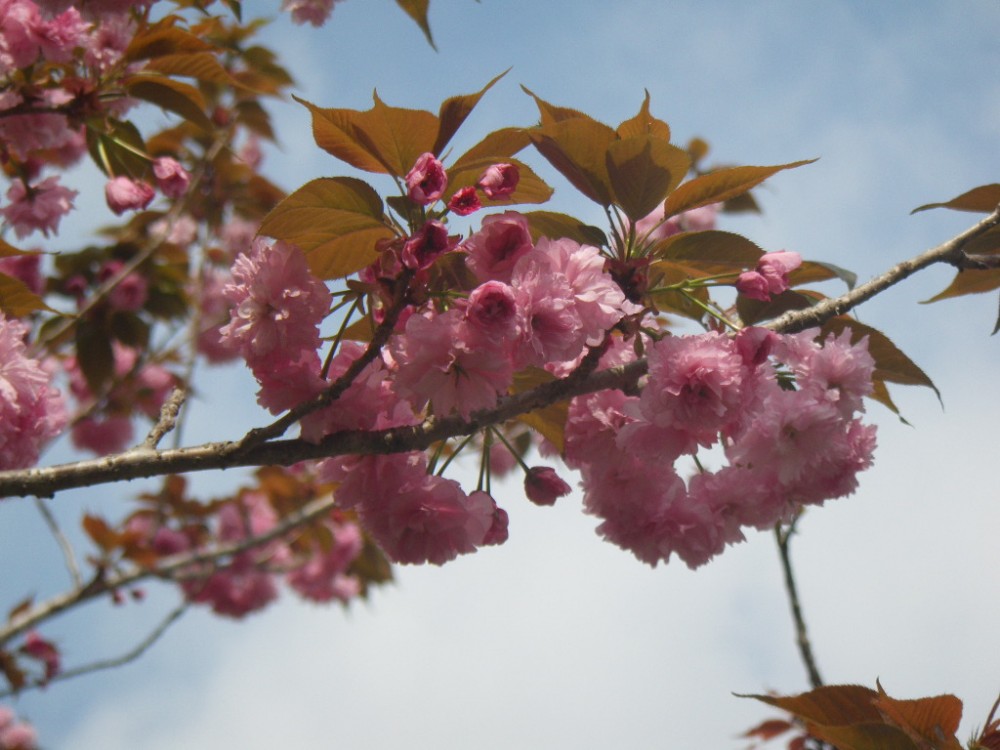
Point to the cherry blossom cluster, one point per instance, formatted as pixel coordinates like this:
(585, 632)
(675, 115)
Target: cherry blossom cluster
(59, 67)
(784, 409)
(249, 580)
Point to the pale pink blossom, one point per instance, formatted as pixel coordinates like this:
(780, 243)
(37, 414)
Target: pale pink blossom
(323, 576)
(653, 227)
(492, 252)
(315, 12)
(277, 305)
(694, 384)
(427, 180)
(171, 177)
(31, 411)
(21, 25)
(15, 735)
(59, 37)
(40, 208)
(102, 435)
(837, 371)
(770, 277)
(593, 423)
(499, 181)
(492, 310)
(550, 326)
(437, 360)
(125, 194)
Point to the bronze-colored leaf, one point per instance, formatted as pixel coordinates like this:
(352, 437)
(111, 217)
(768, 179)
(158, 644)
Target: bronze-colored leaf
(173, 96)
(644, 124)
(162, 39)
(577, 148)
(972, 281)
(335, 220)
(94, 355)
(721, 185)
(7, 250)
(983, 199)
(100, 532)
(417, 10)
(550, 112)
(550, 421)
(642, 170)
(554, 225)
(499, 145)
(752, 311)
(17, 300)
(928, 721)
(712, 251)
(202, 66)
(453, 112)
(812, 271)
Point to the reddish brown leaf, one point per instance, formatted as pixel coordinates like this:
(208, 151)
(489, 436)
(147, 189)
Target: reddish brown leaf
(644, 124)
(642, 169)
(769, 729)
(982, 199)
(721, 185)
(932, 720)
(577, 148)
(454, 111)
(417, 10)
(98, 530)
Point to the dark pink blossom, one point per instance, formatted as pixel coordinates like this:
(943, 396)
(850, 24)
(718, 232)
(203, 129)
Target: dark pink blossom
(39, 208)
(427, 180)
(42, 650)
(465, 201)
(543, 486)
(25, 267)
(171, 177)
(102, 435)
(125, 194)
(424, 247)
(492, 310)
(499, 181)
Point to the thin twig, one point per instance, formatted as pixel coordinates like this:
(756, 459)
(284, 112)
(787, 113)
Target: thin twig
(97, 666)
(801, 634)
(104, 583)
(67, 549)
(168, 418)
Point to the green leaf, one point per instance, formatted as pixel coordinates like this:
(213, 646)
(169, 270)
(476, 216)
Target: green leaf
(117, 149)
(453, 112)
(94, 355)
(555, 225)
(891, 364)
(173, 96)
(982, 199)
(417, 10)
(17, 300)
(644, 124)
(577, 148)
(721, 185)
(642, 170)
(337, 222)
(713, 251)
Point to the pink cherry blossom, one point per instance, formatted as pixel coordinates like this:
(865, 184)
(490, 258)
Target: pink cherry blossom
(125, 194)
(551, 329)
(31, 411)
(770, 277)
(492, 252)
(315, 12)
(323, 577)
(25, 267)
(499, 181)
(694, 384)
(59, 37)
(837, 371)
(45, 651)
(39, 208)
(427, 180)
(277, 305)
(498, 532)
(171, 177)
(102, 435)
(15, 735)
(492, 310)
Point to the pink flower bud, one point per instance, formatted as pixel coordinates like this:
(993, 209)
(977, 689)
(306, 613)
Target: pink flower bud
(498, 532)
(125, 194)
(499, 180)
(425, 246)
(171, 177)
(426, 182)
(543, 486)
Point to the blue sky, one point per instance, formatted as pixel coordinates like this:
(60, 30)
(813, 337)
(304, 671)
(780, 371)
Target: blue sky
(558, 639)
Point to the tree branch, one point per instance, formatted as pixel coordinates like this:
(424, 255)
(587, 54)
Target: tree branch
(143, 462)
(801, 634)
